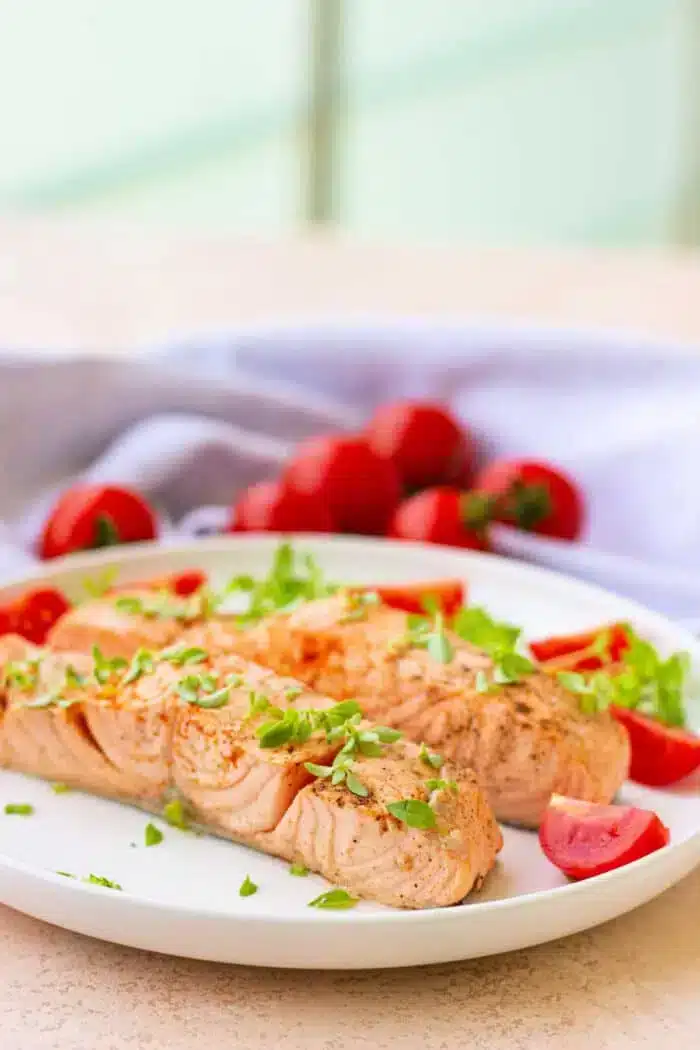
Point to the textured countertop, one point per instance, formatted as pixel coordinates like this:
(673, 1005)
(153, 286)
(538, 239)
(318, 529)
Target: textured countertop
(632, 983)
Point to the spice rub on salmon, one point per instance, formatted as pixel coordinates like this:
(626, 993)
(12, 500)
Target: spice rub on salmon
(526, 737)
(254, 757)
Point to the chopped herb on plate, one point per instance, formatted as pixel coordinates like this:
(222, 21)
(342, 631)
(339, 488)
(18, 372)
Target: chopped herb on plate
(334, 899)
(248, 887)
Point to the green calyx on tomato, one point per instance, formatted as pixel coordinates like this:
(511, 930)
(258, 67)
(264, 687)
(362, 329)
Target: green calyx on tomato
(477, 510)
(105, 533)
(526, 505)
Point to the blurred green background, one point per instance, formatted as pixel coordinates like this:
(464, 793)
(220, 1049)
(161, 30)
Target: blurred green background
(507, 121)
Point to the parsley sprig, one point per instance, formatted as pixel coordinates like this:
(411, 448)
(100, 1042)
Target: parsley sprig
(499, 640)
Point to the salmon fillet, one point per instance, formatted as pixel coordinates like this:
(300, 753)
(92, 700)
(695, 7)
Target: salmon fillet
(525, 741)
(144, 734)
(119, 624)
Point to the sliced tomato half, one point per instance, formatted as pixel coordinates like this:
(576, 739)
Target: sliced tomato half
(449, 594)
(583, 652)
(661, 754)
(33, 614)
(584, 839)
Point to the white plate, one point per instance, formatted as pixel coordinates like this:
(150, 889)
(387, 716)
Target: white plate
(181, 897)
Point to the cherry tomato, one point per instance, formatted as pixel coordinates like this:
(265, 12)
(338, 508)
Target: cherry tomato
(424, 441)
(449, 595)
(272, 506)
(661, 754)
(181, 583)
(440, 515)
(533, 496)
(89, 516)
(33, 614)
(582, 652)
(360, 488)
(584, 839)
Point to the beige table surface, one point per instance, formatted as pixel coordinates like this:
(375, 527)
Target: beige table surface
(634, 982)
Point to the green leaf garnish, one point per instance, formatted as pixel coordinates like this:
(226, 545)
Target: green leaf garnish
(181, 655)
(105, 668)
(428, 634)
(318, 771)
(248, 887)
(67, 874)
(23, 674)
(164, 605)
(153, 836)
(430, 758)
(98, 585)
(142, 662)
(413, 812)
(60, 789)
(19, 809)
(285, 586)
(355, 785)
(298, 869)
(334, 899)
(437, 784)
(174, 813)
(100, 880)
(357, 604)
(647, 683)
(474, 625)
(201, 691)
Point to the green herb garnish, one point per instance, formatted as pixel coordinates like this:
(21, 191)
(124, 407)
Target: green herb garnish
(67, 874)
(98, 585)
(298, 869)
(24, 674)
(426, 633)
(286, 586)
(334, 899)
(438, 784)
(508, 668)
(647, 683)
(430, 758)
(201, 690)
(164, 605)
(142, 663)
(60, 789)
(357, 604)
(105, 668)
(474, 625)
(181, 655)
(413, 812)
(153, 836)
(248, 887)
(100, 880)
(174, 813)
(19, 809)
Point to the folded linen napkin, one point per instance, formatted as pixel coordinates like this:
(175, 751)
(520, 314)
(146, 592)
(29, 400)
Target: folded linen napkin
(191, 424)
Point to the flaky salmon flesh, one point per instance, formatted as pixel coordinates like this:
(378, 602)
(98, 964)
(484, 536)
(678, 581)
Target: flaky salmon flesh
(526, 741)
(252, 756)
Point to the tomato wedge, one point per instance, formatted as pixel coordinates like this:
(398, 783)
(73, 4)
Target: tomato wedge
(661, 754)
(33, 614)
(584, 839)
(449, 594)
(582, 652)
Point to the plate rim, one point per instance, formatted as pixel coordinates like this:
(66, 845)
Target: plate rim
(138, 553)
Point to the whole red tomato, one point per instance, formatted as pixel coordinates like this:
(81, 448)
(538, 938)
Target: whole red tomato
(89, 516)
(533, 496)
(424, 441)
(271, 506)
(442, 515)
(360, 488)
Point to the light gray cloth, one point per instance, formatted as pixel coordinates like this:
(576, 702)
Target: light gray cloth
(192, 424)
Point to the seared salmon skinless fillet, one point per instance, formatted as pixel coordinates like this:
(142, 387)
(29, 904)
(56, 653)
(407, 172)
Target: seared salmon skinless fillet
(252, 756)
(526, 740)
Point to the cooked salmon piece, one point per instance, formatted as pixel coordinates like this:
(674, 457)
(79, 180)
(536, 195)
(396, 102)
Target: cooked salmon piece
(119, 624)
(251, 756)
(525, 741)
